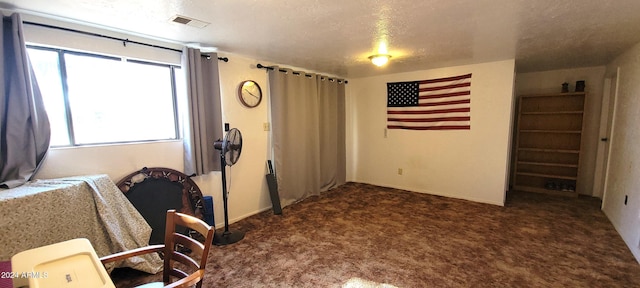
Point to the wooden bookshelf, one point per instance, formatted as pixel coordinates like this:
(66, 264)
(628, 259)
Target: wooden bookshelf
(548, 143)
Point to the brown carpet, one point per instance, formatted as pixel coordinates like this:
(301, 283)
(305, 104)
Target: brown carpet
(361, 235)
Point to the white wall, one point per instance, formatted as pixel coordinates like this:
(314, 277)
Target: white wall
(623, 177)
(116, 161)
(551, 82)
(75, 41)
(471, 164)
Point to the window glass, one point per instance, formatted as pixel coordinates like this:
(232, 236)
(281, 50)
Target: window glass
(109, 99)
(47, 70)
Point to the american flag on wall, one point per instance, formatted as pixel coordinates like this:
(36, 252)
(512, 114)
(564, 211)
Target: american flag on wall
(435, 104)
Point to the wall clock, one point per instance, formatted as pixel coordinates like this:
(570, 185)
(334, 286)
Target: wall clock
(249, 93)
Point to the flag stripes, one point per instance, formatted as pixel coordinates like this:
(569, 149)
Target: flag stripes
(409, 112)
(449, 118)
(446, 79)
(444, 127)
(462, 93)
(440, 88)
(435, 104)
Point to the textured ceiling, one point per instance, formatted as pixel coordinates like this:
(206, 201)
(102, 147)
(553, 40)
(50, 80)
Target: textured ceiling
(337, 36)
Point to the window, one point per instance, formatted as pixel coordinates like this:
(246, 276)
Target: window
(98, 99)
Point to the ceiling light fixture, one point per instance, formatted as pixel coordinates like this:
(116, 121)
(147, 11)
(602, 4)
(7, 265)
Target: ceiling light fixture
(379, 59)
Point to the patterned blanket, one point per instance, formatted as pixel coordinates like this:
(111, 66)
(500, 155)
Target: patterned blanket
(44, 212)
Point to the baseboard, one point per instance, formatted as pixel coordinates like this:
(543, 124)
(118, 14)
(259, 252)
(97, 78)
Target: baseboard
(413, 189)
(236, 219)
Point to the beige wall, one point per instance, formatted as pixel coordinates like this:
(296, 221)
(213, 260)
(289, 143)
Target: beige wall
(623, 177)
(469, 164)
(550, 82)
(248, 193)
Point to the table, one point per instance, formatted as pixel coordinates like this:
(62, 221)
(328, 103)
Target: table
(44, 212)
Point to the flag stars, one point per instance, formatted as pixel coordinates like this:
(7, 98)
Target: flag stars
(402, 94)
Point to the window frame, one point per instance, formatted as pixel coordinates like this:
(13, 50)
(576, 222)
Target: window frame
(61, 52)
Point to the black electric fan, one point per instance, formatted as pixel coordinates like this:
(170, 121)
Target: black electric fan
(230, 148)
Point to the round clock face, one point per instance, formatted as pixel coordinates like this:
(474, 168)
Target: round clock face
(250, 93)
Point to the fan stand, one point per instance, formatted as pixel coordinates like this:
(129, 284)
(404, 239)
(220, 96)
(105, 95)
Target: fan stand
(227, 237)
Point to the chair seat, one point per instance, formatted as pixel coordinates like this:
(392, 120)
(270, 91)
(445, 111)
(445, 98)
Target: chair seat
(151, 285)
(171, 256)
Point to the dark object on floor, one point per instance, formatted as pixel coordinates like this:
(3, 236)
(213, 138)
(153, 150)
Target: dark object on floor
(272, 182)
(195, 266)
(208, 211)
(153, 191)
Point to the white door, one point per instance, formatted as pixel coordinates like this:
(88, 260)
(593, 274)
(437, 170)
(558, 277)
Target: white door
(606, 128)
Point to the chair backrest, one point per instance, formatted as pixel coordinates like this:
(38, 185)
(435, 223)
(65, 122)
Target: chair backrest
(172, 254)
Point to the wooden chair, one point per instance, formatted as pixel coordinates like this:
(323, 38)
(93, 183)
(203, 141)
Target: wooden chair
(172, 255)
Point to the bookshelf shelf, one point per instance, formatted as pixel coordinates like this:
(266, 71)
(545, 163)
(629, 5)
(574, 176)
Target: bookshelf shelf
(548, 143)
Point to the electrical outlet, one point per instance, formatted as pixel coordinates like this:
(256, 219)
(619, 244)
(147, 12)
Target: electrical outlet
(226, 127)
(265, 125)
(399, 171)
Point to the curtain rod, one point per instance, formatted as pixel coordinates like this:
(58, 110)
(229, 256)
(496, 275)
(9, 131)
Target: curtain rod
(124, 41)
(260, 66)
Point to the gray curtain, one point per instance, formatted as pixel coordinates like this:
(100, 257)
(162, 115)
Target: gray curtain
(202, 124)
(332, 130)
(25, 131)
(306, 123)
